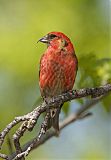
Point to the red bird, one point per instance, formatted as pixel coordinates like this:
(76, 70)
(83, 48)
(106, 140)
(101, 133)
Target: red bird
(58, 68)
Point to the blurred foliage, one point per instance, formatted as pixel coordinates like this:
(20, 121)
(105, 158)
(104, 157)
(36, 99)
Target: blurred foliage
(98, 74)
(23, 22)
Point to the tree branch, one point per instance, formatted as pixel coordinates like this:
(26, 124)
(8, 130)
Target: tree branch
(29, 120)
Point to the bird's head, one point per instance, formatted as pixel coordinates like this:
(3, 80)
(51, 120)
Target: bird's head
(57, 39)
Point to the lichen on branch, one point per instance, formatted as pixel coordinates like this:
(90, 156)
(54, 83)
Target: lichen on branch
(30, 119)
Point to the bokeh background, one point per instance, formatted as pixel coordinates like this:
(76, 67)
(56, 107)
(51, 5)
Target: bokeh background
(87, 23)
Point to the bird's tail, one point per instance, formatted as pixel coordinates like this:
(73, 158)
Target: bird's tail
(54, 118)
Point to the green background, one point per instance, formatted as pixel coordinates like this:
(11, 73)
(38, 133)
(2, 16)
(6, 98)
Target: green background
(86, 22)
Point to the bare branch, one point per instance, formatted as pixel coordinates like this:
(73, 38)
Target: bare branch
(70, 119)
(4, 156)
(29, 120)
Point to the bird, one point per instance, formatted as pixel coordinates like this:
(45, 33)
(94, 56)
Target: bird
(57, 71)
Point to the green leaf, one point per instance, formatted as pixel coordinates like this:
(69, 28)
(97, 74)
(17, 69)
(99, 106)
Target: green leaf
(107, 103)
(66, 108)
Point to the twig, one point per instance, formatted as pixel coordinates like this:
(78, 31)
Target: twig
(4, 156)
(44, 126)
(30, 119)
(70, 119)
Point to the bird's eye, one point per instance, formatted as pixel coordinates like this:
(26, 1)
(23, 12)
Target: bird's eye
(51, 36)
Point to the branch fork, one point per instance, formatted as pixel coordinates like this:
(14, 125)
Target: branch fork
(29, 120)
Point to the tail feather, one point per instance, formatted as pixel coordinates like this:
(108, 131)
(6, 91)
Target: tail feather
(54, 118)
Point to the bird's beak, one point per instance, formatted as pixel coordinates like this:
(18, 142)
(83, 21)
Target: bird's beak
(44, 39)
